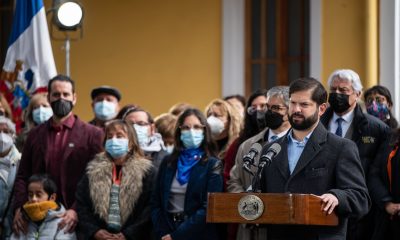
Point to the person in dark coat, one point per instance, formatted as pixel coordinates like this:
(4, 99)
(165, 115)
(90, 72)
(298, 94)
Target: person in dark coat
(384, 187)
(60, 147)
(379, 103)
(314, 161)
(367, 131)
(185, 177)
(113, 197)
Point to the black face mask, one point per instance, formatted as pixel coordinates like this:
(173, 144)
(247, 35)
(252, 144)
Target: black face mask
(273, 119)
(306, 123)
(258, 119)
(339, 102)
(61, 107)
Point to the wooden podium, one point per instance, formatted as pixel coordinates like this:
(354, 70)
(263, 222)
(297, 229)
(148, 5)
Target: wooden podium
(277, 208)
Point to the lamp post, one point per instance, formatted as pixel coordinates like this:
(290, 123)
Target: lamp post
(67, 16)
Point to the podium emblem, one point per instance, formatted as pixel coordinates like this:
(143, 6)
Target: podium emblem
(250, 207)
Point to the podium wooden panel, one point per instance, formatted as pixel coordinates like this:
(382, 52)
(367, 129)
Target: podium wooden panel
(278, 209)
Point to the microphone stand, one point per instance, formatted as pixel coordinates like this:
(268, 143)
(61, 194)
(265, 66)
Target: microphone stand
(255, 188)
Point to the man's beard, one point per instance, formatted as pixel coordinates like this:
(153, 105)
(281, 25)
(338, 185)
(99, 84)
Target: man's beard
(306, 123)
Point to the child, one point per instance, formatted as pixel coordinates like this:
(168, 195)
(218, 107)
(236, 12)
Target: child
(42, 211)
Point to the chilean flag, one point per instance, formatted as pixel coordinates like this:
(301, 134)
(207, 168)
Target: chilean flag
(29, 63)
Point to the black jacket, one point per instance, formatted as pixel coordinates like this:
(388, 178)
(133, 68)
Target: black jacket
(328, 164)
(368, 133)
(378, 185)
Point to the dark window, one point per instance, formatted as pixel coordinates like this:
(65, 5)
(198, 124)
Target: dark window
(6, 15)
(277, 42)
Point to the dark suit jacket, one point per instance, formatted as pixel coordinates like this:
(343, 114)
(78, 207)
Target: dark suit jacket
(205, 177)
(368, 133)
(84, 142)
(328, 164)
(379, 188)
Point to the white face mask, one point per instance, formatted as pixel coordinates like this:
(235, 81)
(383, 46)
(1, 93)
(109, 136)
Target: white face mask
(216, 125)
(6, 142)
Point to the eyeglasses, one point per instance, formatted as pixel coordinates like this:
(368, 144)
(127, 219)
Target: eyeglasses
(260, 107)
(376, 99)
(195, 127)
(276, 108)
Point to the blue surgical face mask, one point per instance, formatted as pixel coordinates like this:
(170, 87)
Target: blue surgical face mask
(192, 138)
(105, 110)
(42, 114)
(169, 148)
(142, 133)
(117, 147)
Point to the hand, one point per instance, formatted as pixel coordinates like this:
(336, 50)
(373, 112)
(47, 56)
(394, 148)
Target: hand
(20, 224)
(392, 208)
(120, 236)
(104, 235)
(69, 221)
(329, 202)
(166, 237)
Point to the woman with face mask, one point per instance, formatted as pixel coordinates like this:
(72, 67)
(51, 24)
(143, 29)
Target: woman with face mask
(378, 102)
(185, 177)
(113, 196)
(37, 112)
(9, 162)
(225, 124)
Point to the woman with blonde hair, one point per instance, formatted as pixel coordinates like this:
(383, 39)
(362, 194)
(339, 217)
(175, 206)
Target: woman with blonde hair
(37, 112)
(5, 109)
(225, 124)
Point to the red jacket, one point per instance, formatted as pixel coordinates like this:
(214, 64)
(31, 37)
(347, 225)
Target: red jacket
(84, 142)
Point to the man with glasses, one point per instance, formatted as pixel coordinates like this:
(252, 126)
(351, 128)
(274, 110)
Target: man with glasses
(149, 140)
(273, 116)
(345, 118)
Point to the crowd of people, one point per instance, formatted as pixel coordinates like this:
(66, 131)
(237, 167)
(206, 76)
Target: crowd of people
(129, 175)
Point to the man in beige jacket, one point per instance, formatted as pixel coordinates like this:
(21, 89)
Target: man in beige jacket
(277, 126)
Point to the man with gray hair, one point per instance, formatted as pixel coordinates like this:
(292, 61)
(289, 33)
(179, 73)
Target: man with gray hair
(345, 118)
(275, 117)
(9, 162)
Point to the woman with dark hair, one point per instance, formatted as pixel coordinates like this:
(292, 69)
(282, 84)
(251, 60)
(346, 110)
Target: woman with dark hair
(257, 100)
(185, 177)
(384, 188)
(378, 101)
(114, 194)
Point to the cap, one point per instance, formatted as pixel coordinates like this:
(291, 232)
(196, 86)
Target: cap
(106, 89)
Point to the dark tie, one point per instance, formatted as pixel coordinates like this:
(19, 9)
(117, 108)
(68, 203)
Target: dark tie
(339, 127)
(273, 138)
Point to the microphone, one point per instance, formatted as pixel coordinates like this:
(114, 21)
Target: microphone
(266, 159)
(248, 159)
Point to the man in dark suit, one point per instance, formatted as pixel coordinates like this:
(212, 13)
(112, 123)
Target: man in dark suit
(345, 118)
(314, 161)
(60, 147)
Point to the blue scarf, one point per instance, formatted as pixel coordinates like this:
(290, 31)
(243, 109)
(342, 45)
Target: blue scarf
(186, 161)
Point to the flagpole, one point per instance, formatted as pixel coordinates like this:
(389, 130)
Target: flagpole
(67, 49)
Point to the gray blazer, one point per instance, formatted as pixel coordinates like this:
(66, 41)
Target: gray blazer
(328, 164)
